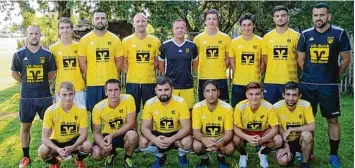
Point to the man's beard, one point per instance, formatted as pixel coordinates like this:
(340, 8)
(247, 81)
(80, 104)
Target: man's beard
(322, 25)
(97, 27)
(164, 98)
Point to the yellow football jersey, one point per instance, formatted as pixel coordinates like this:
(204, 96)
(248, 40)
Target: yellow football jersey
(141, 55)
(259, 120)
(166, 119)
(247, 55)
(100, 53)
(302, 115)
(113, 119)
(67, 62)
(281, 51)
(212, 54)
(65, 125)
(212, 124)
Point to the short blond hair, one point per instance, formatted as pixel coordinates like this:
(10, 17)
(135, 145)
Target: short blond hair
(67, 85)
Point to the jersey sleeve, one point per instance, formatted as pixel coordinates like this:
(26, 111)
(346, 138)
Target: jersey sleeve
(196, 118)
(228, 45)
(265, 46)
(15, 66)
(47, 120)
(83, 118)
(96, 116)
(272, 119)
(237, 117)
(344, 42)
(82, 47)
(157, 49)
(131, 105)
(194, 52)
(51, 62)
(119, 48)
(309, 117)
(301, 46)
(162, 54)
(184, 113)
(147, 113)
(228, 122)
(232, 51)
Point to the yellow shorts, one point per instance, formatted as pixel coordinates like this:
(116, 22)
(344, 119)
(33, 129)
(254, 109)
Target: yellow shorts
(187, 94)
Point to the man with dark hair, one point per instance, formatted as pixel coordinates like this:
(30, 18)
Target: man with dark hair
(279, 55)
(32, 66)
(177, 60)
(212, 124)
(296, 126)
(166, 124)
(117, 113)
(65, 53)
(256, 123)
(318, 53)
(245, 58)
(100, 57)
(213, 50)
(65, 129)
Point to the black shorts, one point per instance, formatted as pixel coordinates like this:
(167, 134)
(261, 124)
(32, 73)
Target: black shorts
(94, 94)
(140, 93)
(29, 108)
(118, 141)
(64, 144)
(170, 134)
(273, 92)
(327, 96)
(223, 89)
(295, 146)
(238, 94)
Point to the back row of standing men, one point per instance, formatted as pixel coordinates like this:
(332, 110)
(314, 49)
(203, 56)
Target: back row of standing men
(101, 55)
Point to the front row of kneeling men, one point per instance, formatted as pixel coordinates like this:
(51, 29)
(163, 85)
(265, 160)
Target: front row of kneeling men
(166, 123)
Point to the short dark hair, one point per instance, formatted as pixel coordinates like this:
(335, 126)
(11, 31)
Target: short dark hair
(280, 8)
(164, 80)
(247, 16)
(211, 11)
(99, 10)
(177, 20)
(65, 20)
(112, 81)
(290, 86)
(321, 5)
(253, 85)
(212, 82)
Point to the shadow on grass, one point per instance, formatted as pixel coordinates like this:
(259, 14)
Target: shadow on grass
(9, 100)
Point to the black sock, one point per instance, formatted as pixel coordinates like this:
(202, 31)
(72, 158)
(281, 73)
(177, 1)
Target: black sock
(52, 160)
(221, 159)
(242, 151)
(204, 161)
(126, 156)
(334, 146)
(265, 151)
(26, 152)
(81, 155)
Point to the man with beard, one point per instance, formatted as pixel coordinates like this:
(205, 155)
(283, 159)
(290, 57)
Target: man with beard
(100, 57)
(212, 124)
(177, 60)
(255, 123)
(296, 126)
(279, 55)
(318, 51)
(117, 114)
(165, 124)
(32, 66)
(65, 54)
(140, 61)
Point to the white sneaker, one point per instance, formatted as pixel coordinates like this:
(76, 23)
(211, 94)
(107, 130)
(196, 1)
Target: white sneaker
(243, 161)
(263, 161)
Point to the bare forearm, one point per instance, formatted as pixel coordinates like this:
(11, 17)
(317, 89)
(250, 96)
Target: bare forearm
(122, 130)
(82, 138)
(240, 133)
(198, 135)
(227, 137)
(343, 66)
(46, 141)
(270, 134)
(181, 134)
(148, 134)
(16, 76)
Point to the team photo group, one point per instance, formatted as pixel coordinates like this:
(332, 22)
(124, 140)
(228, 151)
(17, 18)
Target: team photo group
(269, 107)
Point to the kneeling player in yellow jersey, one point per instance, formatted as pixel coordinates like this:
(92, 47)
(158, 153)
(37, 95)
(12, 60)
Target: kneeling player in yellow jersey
(166, 124)
(118, 114)
(65, 129)
(212, 123)
(297, 124)
(256, 123)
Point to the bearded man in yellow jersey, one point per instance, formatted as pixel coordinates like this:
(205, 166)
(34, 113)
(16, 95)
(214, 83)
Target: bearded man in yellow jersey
(245, 58)
(65, 129)
(213, 50)
(65, 54)
(141, 60)
(296, 126)
(100, 57)
(256, 123)
(279, 55)
(212, 124)
(166, 124)
(117, 114)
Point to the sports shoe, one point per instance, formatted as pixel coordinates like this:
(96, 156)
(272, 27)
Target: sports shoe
(128, 163)
(24, 162)
(80, 163)
(159, 162)
(243, 161)
(183, 161)
(304, 165)
(57, 165)
(263, 159)
(299, 157)
(203, 163)
(334, 161)
(110, 159)
(222, 165)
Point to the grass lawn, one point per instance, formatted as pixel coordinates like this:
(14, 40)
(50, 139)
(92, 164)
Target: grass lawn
(11, 153)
